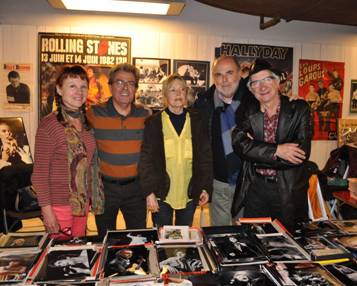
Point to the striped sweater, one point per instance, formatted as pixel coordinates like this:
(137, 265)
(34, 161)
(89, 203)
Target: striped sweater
(118, 139)
(50, 174)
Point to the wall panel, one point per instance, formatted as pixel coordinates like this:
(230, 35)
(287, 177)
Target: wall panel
(19, 44)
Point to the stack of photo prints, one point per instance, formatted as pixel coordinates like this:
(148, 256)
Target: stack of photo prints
(254, 252)
(18, 254)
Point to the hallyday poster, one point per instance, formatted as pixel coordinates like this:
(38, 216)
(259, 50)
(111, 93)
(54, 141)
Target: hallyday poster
(321, 84)
(97, 54)
(281, 58)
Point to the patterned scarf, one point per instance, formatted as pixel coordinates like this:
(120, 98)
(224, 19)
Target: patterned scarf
(227, 122)
(81, 178)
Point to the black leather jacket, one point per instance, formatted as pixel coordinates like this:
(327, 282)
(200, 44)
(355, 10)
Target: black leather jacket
(294, 126)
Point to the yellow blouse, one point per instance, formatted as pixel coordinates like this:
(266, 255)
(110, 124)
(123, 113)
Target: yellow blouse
(178, 155)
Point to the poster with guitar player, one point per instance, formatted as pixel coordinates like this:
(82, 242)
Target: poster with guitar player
(321, 85)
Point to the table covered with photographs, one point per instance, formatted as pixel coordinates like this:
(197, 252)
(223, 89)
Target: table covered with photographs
(255, 252)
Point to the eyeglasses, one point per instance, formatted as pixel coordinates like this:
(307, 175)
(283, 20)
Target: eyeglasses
(121, 83)
(255, 83)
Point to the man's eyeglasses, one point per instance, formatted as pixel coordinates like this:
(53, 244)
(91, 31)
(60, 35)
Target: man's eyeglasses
(122, 83)
(255, 83)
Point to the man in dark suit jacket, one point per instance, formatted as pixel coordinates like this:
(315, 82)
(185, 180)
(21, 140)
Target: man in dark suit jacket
(273, 137)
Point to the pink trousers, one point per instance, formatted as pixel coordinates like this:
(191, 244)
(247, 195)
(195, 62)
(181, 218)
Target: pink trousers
(70, 226)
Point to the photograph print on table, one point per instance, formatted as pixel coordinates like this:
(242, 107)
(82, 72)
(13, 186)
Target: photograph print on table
(19, 240)
(281, 248)
(137, 262)
(245, 275)
(349, 226)
(196, 74)
(321, 248)
(236, 249)
(15, 265)
(301, 274)
(132, 237)
(181, 259)
(346, 272)
(67, 264)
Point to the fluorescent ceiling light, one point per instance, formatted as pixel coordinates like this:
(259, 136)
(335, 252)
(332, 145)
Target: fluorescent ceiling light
(156, 7)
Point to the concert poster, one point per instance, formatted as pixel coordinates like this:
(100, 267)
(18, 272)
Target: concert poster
(96, 53)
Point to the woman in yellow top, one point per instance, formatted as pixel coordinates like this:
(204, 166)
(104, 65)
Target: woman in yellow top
(176, 161)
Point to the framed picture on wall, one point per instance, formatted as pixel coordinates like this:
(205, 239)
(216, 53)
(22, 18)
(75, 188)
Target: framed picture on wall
(196, 74)
(353, 102)
(347, 132)
(14, 146)
(16, 85)
(153, 72)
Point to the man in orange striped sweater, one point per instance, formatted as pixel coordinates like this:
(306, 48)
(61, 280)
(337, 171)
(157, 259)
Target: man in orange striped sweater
(118, 128)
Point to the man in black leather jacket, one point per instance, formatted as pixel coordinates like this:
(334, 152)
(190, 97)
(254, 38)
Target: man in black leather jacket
(273, 137)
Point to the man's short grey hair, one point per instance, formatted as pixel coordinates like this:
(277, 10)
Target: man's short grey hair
(124, 67)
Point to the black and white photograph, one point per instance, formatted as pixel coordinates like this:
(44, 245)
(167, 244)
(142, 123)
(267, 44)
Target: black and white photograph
(150, 95)
(67, 264)
(180, 259)
(248, 275)
(282, 249)
(134, 237)
(303, 274)
(321, 248)
(236, 249)
(195, 73)
(349, 242)
(259, 226)
(127, 261)
(171, 232)
(16, 85)
(14, 145)
(153, 71)
(346, 272)
(15, 265)
(325, 228)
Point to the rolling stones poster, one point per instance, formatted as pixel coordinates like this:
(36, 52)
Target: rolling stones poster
(97, 54)
(321, 85)
(281, 58)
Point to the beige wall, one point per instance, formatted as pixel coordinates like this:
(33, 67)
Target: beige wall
(193, 36)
